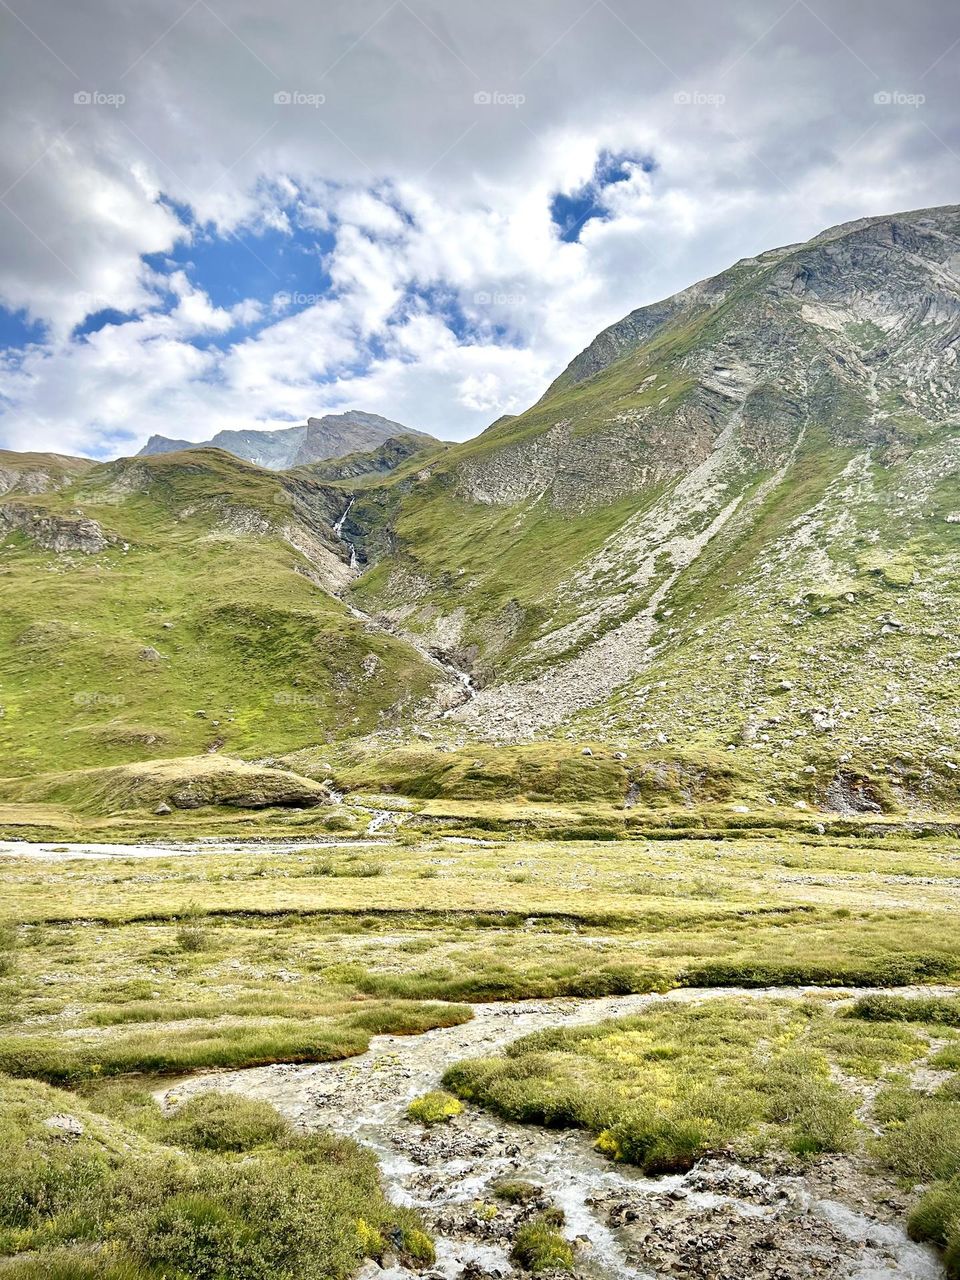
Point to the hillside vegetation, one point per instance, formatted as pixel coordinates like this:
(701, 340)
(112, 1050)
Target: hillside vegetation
(718, 560)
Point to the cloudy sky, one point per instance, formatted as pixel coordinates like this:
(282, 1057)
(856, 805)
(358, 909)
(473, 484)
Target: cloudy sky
(226, 213)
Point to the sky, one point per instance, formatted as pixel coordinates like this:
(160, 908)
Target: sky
(229, 214)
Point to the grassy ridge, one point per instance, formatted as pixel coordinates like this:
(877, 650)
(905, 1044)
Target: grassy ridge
(198, 574)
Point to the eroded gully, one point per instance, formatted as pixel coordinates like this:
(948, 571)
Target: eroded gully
(721, 1221)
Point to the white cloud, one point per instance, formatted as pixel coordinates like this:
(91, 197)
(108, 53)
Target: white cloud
(439, 206)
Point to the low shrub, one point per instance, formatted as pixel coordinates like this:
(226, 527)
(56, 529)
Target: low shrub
(310, 1206)
(225, 1122)
(925, 1145)
(192, 936)
(658, 1144)
(435, 1107)
(539, 1246)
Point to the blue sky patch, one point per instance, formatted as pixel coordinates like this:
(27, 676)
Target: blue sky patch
(98, 320)
(18, 330)
(570, 211)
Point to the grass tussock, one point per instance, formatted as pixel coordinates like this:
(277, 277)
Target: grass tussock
(121, 1197)
(539, 1246)
(662, 1088)
(935, 1219)
(435, 1107)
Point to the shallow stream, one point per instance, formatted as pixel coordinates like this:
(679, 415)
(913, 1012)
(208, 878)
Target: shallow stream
(720, 1221)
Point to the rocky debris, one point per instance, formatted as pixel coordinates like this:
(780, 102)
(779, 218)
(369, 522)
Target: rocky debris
(774, 1217)
(162, 809)
(149, 654)
(777, 1220)
(719, 1242)
(64, 1126)
(849, 794)
(54, 532)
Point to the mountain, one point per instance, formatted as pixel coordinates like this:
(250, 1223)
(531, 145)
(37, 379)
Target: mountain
(729, 532)
(722, 553)
(38, 472)
(380, 461)
(332, 436)
(185, 604)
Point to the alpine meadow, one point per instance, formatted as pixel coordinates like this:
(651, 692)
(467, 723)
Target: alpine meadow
(468, 812)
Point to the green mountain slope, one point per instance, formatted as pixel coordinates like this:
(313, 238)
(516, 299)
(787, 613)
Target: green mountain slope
(181, 604)
(724, 546)
(729, 526)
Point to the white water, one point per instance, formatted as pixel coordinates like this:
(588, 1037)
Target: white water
(54, 851)
(463, 678)
(444, 1171)
(346, 511)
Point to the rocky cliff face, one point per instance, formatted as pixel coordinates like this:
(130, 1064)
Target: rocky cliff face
(728, 535)
(53, 532)
(854, 332)
(332, 436)
(731, 520)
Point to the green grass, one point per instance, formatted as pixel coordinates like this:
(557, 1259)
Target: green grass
(291, 964)
(220, 1188)
(208, 581)
(295, 966)
(539, 1246)
(179, 1048)
(935, 1219)
(920, 1136)
(225, 1122)
(435, 1107)
(935, 1009)
(662, 1088)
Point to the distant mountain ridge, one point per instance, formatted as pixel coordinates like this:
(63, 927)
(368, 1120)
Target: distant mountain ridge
(335, 435)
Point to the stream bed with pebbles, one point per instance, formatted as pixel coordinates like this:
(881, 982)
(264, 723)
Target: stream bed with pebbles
(778, 1219)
